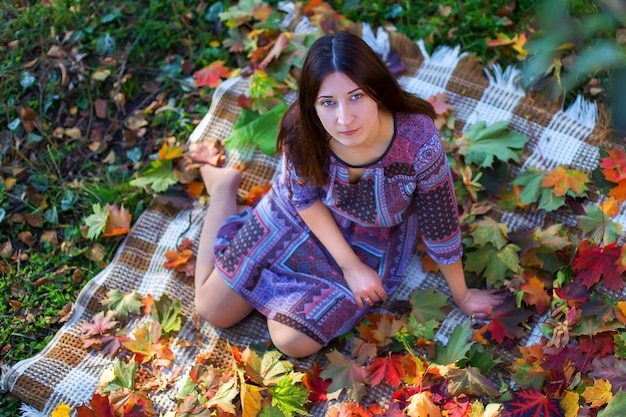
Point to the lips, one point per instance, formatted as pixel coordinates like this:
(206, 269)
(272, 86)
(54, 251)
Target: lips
(349, 132)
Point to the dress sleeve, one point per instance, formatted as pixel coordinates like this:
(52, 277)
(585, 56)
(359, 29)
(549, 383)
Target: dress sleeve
(436, 203)
(301, 193)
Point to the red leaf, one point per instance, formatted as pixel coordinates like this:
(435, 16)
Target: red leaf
(506, 320)
(593, 262)
(118, 222)
(99, 406)
(388, 369)
(531, 403)
(211, 75)
(314, 383)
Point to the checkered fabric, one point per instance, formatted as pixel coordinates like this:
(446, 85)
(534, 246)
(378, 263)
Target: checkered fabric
(67, 372)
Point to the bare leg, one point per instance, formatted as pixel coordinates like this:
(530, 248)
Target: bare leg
(215, 301)
(290, 341)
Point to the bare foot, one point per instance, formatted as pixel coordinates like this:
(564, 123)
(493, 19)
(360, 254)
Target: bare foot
(220, 179)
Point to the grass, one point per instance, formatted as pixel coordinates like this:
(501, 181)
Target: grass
(73, 72)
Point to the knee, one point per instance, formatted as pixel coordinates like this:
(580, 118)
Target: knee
(209, 314)
(292, 342)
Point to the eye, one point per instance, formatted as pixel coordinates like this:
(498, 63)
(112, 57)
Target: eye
(327, 103)
(356, 96)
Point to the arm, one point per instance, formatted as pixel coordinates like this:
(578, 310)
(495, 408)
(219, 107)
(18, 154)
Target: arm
(363, 281)
(471, 301)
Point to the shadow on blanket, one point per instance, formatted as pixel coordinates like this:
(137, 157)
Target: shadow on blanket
(67, 372)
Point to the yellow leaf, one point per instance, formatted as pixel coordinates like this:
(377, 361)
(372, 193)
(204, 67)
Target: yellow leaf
(422, 405)
(598, 395)
(62, 410)
(251, 400)
(101, 75)
(569, 404)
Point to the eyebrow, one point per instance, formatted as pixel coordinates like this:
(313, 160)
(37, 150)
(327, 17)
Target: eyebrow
(349, 92)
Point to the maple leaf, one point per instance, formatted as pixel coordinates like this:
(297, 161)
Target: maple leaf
(470, 381)
(122, 376)
(181, 260)
(481, 144)
(506, 320)
(427, 305)
(457, 347)
(255, 194)
(380, 328)
(389, 368)
(569, 404)
(127, 402)
(211, 75)
(123, 304)
(61, 410)
(529, 403)
(251, 399)
(611, 369)
(166, 313)
(344, 374)
(614, 165)
(118, 222)
(273, 368)
(616, 407)
(102, 324)
(489, 231)
(535, 294)
(471, 182)
(224, 397)
(593, 263)
(252, 127)
(97, 221)
(315, 384)
(599, 394)
(159, 176)
(98, 406)
(443, 109)
(168, 151)
(321, 14)
(566, 181)
(210, 152)
(421, 330)
(492, 263)
(599, 225)
(422, 405)
(289, 397)
(145, 344)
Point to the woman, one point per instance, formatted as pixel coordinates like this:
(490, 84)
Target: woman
(364, 173)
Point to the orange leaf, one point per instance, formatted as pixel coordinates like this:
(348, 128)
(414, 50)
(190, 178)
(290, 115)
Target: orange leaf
(194, 189)
(562, 180)
(255, 195)
(619, 192)
(501, 40)
(170, 152)
(118, 222)
(211, 75)
(535, 294)
(614, 166)
(610, 207)
(599, 394)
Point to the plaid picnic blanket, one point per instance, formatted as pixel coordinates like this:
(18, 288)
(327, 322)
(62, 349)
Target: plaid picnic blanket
(67, 372)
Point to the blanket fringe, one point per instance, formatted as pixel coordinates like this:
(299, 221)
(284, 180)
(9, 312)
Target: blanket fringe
(379, 42)
(508, 79)
(583, 111)
(30, 411)
(4, 380)
(442, 56)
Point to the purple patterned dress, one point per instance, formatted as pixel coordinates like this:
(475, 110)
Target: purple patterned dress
(271, 258)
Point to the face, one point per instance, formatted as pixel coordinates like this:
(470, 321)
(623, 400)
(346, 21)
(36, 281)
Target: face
(347, 113)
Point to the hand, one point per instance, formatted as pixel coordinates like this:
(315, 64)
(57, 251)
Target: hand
(365, 284)
(478, 303)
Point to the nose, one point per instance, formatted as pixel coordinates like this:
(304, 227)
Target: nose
(344, 114)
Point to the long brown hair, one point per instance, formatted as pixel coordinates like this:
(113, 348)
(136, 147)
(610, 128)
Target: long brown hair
(301, 134)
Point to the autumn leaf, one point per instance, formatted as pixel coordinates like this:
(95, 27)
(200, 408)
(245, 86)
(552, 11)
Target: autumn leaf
(481, 144)
(130, 403)
(593, 263)
(569, 404)
(614, 165)
(322, 15)
(118, 222)
(422, 405)
(145, 344)
(492, 263)
(501, 39)
(427, 305)
(182, 260)
(599, 226)
(224, 397)
(489, 231)
(159, 176)
(97, 221)
(443, 109)
(380, 328)
(102, 324)
(98, 406)
(566, 181)
(457, 347)
(61, 410)
(470, 381)
(315, 384)
(344, 374)
(211, 75)
(599, 394)
(123, 304)
(166, 312)
(535, 294)
(531, 403)
(210, 152)
(255, 194)
(616, 407)
(170, 152)
(506, 321)
(289, 396)
(611, 369)
(251, 399)
(388, 368)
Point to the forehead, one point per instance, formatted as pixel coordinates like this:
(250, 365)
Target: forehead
(337, 84)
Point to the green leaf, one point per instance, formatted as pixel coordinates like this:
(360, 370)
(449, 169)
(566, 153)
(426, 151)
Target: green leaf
(615, 407)
(458, 345)
(159, 176)
(261, 130)
(481, 144)
(166, 312)
(123, 304)
(482, 359)
(427, 305)
(225, 395)
(489, 231)
(290, 398)
(493, 264)
(272, 368)
(549, 201)
(600, 227)
(97, 221)
(420, 329)
(531, 180)
(124, 373)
